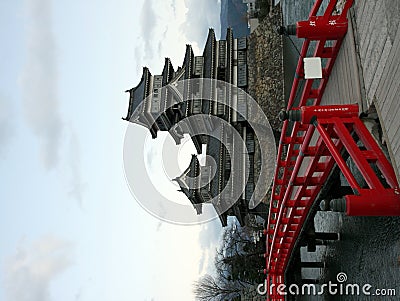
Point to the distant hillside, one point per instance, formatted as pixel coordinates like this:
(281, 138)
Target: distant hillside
(233, 14)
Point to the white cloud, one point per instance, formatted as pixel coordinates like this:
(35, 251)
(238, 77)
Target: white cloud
(148, 23)
(181, 247)
(30, 271)
(39, 81)
(209, 240)
(210, 234)
(138, 57)
(6, 119)
(200, 16)
(77, 186)
(41, 106)
(167, 26)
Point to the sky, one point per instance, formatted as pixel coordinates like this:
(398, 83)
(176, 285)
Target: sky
(71, 229)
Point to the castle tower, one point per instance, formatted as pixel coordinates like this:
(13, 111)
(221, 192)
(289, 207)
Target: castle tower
(164, 110)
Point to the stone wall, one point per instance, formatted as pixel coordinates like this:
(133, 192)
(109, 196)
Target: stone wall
(265, 68)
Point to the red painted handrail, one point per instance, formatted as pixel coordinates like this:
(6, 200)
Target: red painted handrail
(289, 207)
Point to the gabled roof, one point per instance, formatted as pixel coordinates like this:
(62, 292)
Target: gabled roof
(229, 34)
(210, 40)
(168, 71)
(138, 93)
(185, 179)
(185, 182)
(223, 217)
(209, 55)
(188, 61)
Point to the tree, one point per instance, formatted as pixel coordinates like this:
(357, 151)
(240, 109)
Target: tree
(263, 8)
(208, 288)
(238, 258)
(237, 264)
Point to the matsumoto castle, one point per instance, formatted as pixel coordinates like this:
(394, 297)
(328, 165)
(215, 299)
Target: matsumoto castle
(161, 110)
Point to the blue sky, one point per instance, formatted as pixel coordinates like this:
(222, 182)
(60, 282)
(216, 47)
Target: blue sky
(71, 229)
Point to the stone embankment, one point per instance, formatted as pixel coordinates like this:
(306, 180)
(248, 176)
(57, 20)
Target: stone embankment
(265, 67)
(266, 81)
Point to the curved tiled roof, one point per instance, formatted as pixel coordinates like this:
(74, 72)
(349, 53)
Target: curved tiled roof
(138, 93)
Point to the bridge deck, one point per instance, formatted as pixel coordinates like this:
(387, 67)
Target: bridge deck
(367, 68)
(344, 86)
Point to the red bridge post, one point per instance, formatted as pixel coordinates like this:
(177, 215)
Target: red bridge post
(317, 28)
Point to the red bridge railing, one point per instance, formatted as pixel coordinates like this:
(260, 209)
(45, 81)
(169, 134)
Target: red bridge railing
(304, 162)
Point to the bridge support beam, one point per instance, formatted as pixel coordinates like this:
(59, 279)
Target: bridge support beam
(327, 235)
(313, 243)
(312, 264)
(340, 130)
(309, 281)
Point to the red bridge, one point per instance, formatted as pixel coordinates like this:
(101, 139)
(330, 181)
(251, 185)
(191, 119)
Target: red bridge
(315, 140)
